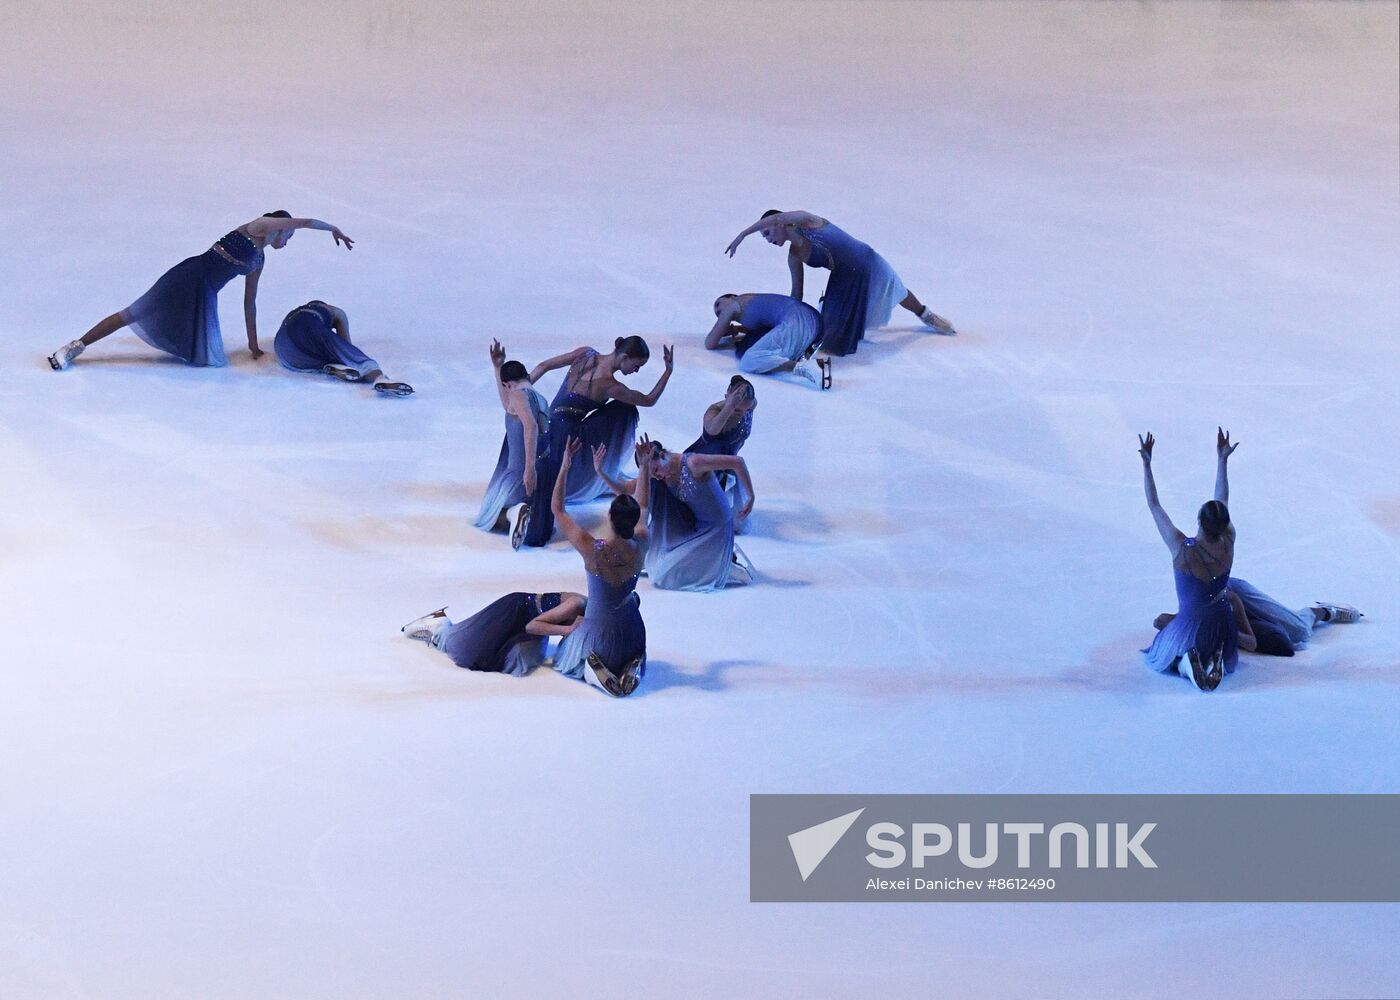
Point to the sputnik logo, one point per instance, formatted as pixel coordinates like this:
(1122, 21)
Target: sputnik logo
(811, 846)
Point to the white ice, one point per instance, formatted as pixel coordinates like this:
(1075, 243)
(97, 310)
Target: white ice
(224, 773)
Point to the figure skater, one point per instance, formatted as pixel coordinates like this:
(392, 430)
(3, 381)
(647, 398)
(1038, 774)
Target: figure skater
(770, 334)
(593, 406)
(179, 314)
(525, 446)
(508, 636)
(1267, 627)
(316, 338)
(728, 423)
(863, 289)
(1200, 642)
(608, 648)
(692, 520)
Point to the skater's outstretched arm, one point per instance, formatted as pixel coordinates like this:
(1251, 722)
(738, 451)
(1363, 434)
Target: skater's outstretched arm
(581, 540)
(621, 393)
(642, 454)
(726, 463)
(558, 621)
(803, 220)
(1165, 528)
(1223, 450)
(250, 311)
(556, 362)
(264, 227)
(498, 358)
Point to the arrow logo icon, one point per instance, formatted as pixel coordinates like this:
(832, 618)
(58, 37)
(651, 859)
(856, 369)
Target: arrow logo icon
(811, 846)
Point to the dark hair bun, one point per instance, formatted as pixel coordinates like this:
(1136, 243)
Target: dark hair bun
(624, 514)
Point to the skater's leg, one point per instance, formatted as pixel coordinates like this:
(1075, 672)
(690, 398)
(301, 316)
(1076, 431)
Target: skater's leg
(104, 328)
(912, 303)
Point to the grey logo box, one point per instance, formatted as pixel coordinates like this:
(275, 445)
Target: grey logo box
(1074, 848)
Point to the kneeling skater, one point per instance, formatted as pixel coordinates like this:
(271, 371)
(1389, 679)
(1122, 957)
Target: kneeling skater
(770, 334)
(526, 444)
(316, 338)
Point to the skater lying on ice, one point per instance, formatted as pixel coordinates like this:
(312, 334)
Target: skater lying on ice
(770, 334)
(316, 338)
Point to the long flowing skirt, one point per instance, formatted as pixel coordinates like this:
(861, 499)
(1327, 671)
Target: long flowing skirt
(613, 425)
(179, 314)
(1206, 628)
(305, 343)
(785, 342)
(683, 552)
(1279, 631)
(860, 295)
(618, 637)
(494, 639)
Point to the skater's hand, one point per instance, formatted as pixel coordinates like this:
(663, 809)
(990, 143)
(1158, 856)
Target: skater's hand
(255, 351)
(1146, 448)
(498, 353)
(570, 450)
(340, 238)
(600, 454)
(735, 245)
(1223, 447)
(668, 354)
(530, 479)
(744, 513)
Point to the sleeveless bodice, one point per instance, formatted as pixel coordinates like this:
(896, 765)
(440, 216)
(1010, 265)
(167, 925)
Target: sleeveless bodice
(766, 310)
(833, 247)
(604, 598)
(238, 251)
(1193, 592)
(317, 309)
(727, 442)
(549, 601)
(703, 494)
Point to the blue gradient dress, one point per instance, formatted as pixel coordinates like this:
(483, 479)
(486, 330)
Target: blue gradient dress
(860, 294)
(692, 533)
(780, 331)
(494, 639)
(1278, 631)
(307, 342)
(507, 485)
(607, 422)
(180, 313)
(1204, 622)
(727, 442)
(612, 627)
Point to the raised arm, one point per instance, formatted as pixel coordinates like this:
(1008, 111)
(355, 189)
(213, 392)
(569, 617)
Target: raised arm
(250, 311)
(726, 463)
(264, 226)
(623, 394)
(557, 621)
(498, 358)
(1170, 535)
(600, 455)
(556, 362)
(1223, 450)
(643, 457)
(728, 315)
(578, 538)
(718, 414)
(804, 219)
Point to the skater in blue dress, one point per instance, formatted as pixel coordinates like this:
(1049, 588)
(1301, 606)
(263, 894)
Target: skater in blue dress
(728, 423)
(316, 338)
(692, 520)
(525, 446)
(595, 407)
(508, 636)
(608, 648)
(862, 290)
(1267, 627)
(1200, 642)
(770, 334)
(179, 314)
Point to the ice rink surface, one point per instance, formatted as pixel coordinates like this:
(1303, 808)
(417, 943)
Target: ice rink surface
(225, 774)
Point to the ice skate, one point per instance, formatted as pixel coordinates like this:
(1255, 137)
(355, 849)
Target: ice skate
(824, 366)
(1204, 674)
(599, 676)
(937, 323)
(1338, 614)
(522, 525)
(806, 369)
(65, 355)
(426, 628)
(394, 388)
(342, 373)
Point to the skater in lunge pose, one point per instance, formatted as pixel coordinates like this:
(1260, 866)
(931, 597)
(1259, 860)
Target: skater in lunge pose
(692, 519)
(594, 406)
(1200, 642)
(526, 443)
(316, 338)
(179, 314)
(863, 289)
(508, 636)
(770, 334)
(608, 649)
